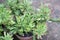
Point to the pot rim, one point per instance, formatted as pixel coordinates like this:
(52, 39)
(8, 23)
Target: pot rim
(24, 37)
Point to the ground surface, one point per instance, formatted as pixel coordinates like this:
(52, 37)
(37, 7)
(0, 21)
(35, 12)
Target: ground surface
(53, 27)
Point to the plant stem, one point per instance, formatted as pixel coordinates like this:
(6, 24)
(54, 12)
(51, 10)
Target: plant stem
(34, 38)
(54, 20)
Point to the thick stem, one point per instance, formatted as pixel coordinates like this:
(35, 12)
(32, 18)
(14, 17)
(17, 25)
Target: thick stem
(34, 36)
(54, 20)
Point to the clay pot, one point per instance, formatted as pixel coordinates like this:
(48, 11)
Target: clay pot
(25, 38)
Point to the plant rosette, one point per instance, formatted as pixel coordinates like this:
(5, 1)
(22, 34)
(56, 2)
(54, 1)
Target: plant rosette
(4, 14)
(40, 30)
(6, 36)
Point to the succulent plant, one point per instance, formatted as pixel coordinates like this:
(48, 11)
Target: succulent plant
(6, 37)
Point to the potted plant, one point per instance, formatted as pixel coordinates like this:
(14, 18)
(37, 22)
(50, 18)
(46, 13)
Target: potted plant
(20, 15)
(20, 19)
(26, 27)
